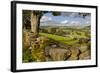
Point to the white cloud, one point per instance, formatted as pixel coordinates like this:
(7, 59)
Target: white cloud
(74, 15)
(45, 18)
(75, 22)
(70, 14)
(88, 22)
(64, 22)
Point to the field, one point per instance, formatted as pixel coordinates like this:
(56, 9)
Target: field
(57, 43)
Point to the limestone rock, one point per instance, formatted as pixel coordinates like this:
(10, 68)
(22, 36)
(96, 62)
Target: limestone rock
(85, 55)
(83, 47)
(26, 39)
(74, 53)
(58, 54)
(73, 57)
(42, 39)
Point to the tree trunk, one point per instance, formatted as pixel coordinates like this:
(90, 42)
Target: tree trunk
(35, 22)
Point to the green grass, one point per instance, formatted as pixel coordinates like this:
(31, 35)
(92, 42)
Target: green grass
(82, 35)
(60, 39)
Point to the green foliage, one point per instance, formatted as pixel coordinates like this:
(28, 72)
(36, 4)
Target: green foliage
(56, 13)
(27, 57)
(51, 30)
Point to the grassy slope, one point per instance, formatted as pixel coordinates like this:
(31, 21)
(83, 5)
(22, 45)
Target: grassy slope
(61, 39)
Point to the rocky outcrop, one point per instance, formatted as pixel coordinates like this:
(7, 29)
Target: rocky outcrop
(70, 53)
(26, 39)
(38, 49)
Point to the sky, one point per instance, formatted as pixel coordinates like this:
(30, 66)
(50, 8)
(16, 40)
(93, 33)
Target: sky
(66, 18)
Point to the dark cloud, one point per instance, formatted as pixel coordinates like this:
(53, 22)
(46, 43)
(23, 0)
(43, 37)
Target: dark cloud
(75, 14)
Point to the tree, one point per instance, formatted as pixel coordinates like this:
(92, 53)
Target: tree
(31, 19)
(83, 15)
(35, 21)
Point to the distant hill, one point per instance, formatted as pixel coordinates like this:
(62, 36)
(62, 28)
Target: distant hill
(54, 23)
